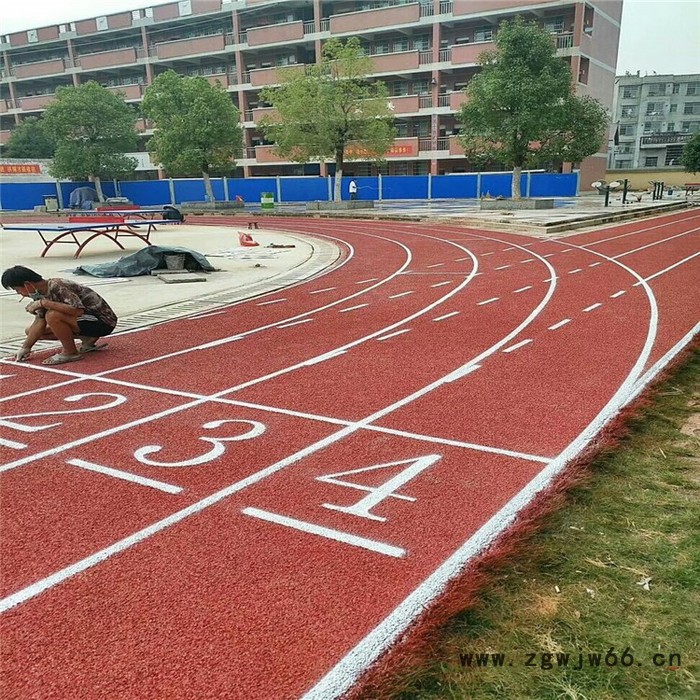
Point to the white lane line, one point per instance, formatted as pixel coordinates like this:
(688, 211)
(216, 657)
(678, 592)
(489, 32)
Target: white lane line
(559, 325)
(274, 301)
(436, 265)
(6, 376)
(133, 330)
(641, 230)
(459, 373)
(549, 255)
(296, 323)
(352, 308)
(391, 335)
(483, 255)
(505, 249)
(371, 279)
(502, 267)
(461, 259)
(670, 267)
(568, 250)
(327, 289)
(592, 306)
(573, 272)
(442, 318)
(488, 301)
(12, 444)
(440, 284)
(595, 264)
(651, 245)
(518, 345)
(323, 358)
(402, 294)
(527, 260)
(524, 289)
(125, 476)
(617, 294)
(337, 535)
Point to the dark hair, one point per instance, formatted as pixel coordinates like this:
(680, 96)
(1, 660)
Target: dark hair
(18, 276)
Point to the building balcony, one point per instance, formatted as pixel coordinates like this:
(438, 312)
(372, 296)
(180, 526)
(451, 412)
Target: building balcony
(469, 53)
(269, 76)
(276, 33)
(5, 137)
(107, 58)
(457, 99)
(484, 7)
(33, 70)
(455, 147)
(663, 139)
(406, 104)
(259, 112)
(381, 18)
(393, 62)
(130, 92)
(188, 47)
(266, 154)
(401, 148)
(310, 27)
(4, 106)
(36, 102)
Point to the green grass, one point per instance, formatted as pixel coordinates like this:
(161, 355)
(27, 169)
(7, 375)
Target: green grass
(576, 585)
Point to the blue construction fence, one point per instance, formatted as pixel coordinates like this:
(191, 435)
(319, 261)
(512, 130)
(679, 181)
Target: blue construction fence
(27, 195)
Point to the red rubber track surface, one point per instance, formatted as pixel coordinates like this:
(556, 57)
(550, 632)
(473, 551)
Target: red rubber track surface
(454, 372)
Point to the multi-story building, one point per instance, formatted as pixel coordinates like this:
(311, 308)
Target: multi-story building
(655, 115)
(426, 51)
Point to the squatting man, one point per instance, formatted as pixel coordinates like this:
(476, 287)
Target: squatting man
(63, 310)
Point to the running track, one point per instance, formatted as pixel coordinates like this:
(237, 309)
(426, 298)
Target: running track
(256, 503)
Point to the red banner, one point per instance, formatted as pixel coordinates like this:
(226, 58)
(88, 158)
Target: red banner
(20, 169)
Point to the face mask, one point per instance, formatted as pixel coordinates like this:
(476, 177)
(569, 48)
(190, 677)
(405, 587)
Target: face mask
(36, 296)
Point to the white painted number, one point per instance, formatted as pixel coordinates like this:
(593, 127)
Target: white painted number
(378, 493)
(9, 421)
(216, 451)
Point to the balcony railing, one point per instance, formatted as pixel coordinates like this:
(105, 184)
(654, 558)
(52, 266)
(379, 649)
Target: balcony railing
(246, 76)
(443, 100)
(250, 152)
(426, 10)
(445, 7)
(425, 57)
(445, 55)
(309, 27)
(425, 101)
(243, 37)
(443, 144)
(425, 144)
(565, 41)
(248, 115)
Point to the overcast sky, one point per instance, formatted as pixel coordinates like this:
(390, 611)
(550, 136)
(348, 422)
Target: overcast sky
(657, 35)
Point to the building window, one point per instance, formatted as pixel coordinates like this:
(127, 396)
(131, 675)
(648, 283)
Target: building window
(554, 25)
(483, 34)
(623, 164)
(676, 88)
(691, 108)
(691, 127)
(673, 155)
(656, 89)
(381, 47)
(630, 111)
(630, 93)
(627, 129)
(101, 24)
(421, 87)
(654, 109)
(400, 45)
(399, 89)
(693, 89)
(651, 161)
(583, 70)
(672, 109)
(32, 36)
(671, 126)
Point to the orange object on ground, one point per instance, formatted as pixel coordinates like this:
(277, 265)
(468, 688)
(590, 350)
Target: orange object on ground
(246, 240)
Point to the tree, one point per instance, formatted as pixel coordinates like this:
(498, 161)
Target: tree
(30, 140)
(330, 110)
(690, 159)
(521, 109)
(93, 128)
(197, 127)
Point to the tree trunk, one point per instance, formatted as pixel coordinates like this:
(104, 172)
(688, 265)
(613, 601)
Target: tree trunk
(337, 190)
(517, 171)
(208, 191)
(98, 187)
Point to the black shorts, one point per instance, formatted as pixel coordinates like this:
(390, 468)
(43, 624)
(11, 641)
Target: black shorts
(94, 329)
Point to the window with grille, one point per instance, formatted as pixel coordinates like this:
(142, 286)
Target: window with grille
(629, 111)
(381, 47)
(483, 34)
(673, 155)
(672, 109)
(630, 93)
(421, 87)
(671, 126)
(400, 88)
(693, 89)
(654, 109)
(401, 45)
(627, 130)
(421, 43)
(623, 164)
(691, 108)
(554, 25)
(651, 161)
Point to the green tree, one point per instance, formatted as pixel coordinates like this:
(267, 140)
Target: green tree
(521, 109)
(30, 140)
(197, 127)
(330, 111)
(690, 159)
(93, 128)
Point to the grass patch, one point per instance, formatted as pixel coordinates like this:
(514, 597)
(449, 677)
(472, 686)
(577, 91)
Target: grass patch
(619, 567)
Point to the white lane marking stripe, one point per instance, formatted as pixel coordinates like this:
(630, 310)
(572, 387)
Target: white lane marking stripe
(391, 335)
(651, 245)
(528, 260)
(488, 301)
(505, 249)
(559, 325)
(483, 255)
(641, 230)
(442, 318)
(371, 279)
(549, 255)
(568, 250)
(617, 294)
(670, 267)
(523, 289)
(403, 294)
(518, 345)
(440, 284)
(12, 444)
(323, 358)
(327, 289)
(352, 308)
(573, 272)
(595, 264)
(125, 476)
(296, 323)
(461, 259)
(459, 373)
(274, 301)
(436, 265)
(502, 267)
(337, 535)
(592, 306)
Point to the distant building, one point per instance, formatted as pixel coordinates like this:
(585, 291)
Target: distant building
(655, 116)
(426, 51)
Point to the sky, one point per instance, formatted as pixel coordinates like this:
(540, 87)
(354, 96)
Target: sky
(656, 35)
